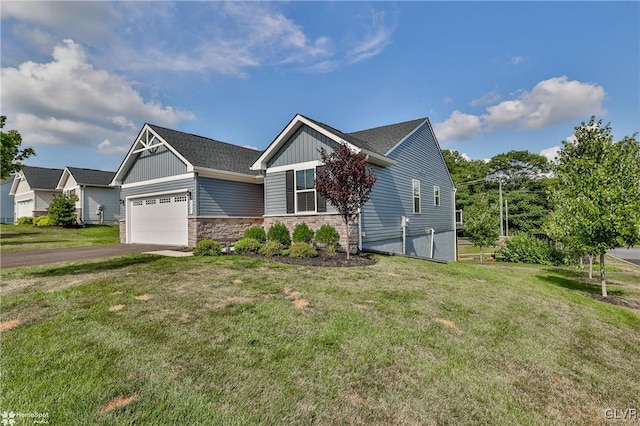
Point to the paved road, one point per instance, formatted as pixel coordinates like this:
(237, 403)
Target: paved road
(630, 255)
(43, 257)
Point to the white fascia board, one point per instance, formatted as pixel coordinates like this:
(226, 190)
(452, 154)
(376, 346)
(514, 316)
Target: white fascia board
(226, 175)
(158, 180)
(295, 166)
(16, 181)
(131, 155)
(63, 179)
(377, 159)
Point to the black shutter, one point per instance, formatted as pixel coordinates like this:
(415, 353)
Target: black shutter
(290, 192)
(321, 202)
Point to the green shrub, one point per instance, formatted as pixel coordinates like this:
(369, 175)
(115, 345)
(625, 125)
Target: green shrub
(208, 248)
(257, 233)
(247, 245)
(526, 249)
(328, 235)
(271, 249)
(25, 220)
(301, 250)
(302, 233)
(43, 221)
(62, 210)
(279, 232)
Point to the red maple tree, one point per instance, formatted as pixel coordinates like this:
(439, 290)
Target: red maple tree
(346, 182)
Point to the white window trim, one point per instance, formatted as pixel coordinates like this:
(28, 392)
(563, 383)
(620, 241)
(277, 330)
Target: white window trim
(297, 191)
(437, 200)
(413, 196)
(294, 167)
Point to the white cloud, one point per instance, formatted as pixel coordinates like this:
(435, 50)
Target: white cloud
(550, 153)
(107, 147)
(486, 99)
(553, 101)
(465, 156)
(515, 60)
(447, 100)
(69, 102)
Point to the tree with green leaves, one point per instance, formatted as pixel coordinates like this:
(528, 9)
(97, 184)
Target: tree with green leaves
(596, 193)
(62, 210)
(12, 156)
(481, 224)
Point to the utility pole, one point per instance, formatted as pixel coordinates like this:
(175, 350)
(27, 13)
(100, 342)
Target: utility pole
(506, 215)
(501, 223)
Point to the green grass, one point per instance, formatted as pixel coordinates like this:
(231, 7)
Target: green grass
(401, 342)
(14, 238)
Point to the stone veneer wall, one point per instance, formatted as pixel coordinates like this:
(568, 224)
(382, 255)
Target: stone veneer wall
(123, 231)
(219, 228)
(315, 222)
(38, 213)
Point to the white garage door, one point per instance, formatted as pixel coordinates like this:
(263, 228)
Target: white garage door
(158, 220)
(24, 208)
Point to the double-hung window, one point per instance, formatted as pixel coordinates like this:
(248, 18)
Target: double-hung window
(436, 196)
(416, 195)
(305, 190)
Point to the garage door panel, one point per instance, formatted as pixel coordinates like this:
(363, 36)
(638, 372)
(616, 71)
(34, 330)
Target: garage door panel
(24, 208)
(159, 220)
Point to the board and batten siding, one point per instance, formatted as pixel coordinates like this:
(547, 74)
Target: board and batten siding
(304, 145)
(153, 165)
(218, 197)
(156, 188)
(418, 157)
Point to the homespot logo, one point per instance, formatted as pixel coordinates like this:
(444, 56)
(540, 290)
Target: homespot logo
(9, 418)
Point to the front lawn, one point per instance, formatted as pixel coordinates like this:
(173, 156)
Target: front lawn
(144, 339)
(28, 237)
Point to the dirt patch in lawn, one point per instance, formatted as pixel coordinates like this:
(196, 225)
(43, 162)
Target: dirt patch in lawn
(9, 325)
(143, 297)
(296, 298)
(115, 293)
(615, 300)
(449, 324)
(116, 308)
(118, 402)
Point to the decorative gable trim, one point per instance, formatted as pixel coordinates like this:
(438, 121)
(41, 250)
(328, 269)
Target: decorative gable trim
(63, 179)
(16, 181)
(147, 140)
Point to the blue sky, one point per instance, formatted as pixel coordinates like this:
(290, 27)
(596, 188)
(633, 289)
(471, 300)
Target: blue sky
(80, 79)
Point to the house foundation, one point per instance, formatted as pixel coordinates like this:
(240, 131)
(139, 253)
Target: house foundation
(315, 222)
(219, 228)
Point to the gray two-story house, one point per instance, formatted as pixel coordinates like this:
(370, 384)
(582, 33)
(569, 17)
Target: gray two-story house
(412, 206)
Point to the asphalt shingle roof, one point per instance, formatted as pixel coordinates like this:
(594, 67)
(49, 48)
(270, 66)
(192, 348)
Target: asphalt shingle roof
(91, 177)
(42, 178)
(210, 153)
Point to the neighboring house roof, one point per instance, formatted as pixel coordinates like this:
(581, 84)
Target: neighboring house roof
(88, 177)
(40, 177)
(376, 142)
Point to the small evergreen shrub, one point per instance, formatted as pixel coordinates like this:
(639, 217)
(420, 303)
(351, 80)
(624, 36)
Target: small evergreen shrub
(302, 233)
(247, 245)
(279, 232)
(257, 233)
(43, 221)
(328, 235)
(25, 220)
(208, 248)
(301, 250)
(526, 249)
(271, 249)
(62, 210)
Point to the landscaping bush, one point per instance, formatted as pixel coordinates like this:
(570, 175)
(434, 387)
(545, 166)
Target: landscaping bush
(25, 220)
(301, 250)
(208, 248)
(257, 233)
(271, 249)
(526, 249)
(302, 233)
(62, 210)
(328, 235)
(279, 232)
(43, 221)
(247, 245)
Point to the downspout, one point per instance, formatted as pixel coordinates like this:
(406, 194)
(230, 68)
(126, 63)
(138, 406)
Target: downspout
(360, 229)
(81, 187)
(455, 226)
(404, 234)
(432, 235)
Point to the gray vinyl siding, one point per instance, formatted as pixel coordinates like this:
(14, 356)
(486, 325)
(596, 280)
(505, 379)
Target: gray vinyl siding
(418, 157)
(6, 203)
(217, 197)
(163, 187)
(275, 193)
(108, 198)
(153, 165)
(303, 146)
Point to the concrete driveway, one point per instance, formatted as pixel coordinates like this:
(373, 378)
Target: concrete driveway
(630, 255)
(43, 257)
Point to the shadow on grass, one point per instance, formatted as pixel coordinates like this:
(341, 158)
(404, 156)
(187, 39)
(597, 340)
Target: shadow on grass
(4, 234)
(105, 265)
(18, 243)
(579, 285)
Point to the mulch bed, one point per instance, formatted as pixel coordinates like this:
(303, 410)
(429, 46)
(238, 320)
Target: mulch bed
(323, 259)
(614, 300)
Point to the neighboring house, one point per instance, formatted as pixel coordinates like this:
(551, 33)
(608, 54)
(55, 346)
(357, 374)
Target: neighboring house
(97, 201)
(178, 188)
(412, 206)
(6, 201)
(33, 189)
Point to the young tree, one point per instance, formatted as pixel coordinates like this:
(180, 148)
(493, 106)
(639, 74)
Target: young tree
(482, 224)
(596, 193)
(62, 210)
(11, 154)
(346, 181)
